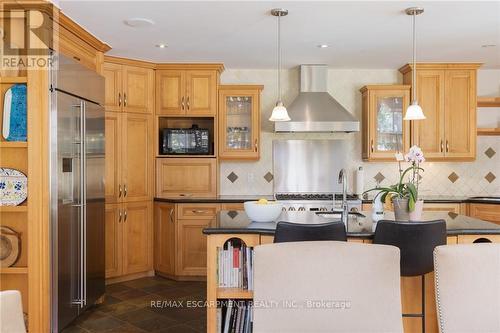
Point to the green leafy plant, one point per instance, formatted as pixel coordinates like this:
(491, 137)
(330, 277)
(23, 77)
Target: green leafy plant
(409, 179)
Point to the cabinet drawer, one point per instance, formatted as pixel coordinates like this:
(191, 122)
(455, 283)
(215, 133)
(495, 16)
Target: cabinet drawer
(186, 177)
(197, 211)
(487, 212)
(233, 206)
(473, 239)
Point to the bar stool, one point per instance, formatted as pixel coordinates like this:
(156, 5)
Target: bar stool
(416, 241)
(300, 232)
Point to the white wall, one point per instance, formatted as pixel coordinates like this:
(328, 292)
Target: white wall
(344, 85)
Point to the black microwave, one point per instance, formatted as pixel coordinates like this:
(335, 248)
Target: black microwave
(185, 141)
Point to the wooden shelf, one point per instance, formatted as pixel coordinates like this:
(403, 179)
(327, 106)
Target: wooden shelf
(236, 293)
(13, 144)
(14, 209)
(14, 270)
(488, 101)
(488, 131)
(14, 79)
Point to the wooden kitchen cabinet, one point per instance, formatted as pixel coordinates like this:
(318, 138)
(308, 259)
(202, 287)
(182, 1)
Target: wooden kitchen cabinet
(487, 212)
(128, 233)
(447, 95)
(128, 161)
(164, 238)
(384, 132)
(186, 177)
(187, 89)
(128, 88)
(239, 122)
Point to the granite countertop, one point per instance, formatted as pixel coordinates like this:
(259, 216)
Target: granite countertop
(243, 198)
(360, 225)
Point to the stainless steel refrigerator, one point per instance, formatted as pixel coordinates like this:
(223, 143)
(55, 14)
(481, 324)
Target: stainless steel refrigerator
(77, 142)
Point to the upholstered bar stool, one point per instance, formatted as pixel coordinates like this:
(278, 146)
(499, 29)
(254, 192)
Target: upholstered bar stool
(298, 232)
(416, 241)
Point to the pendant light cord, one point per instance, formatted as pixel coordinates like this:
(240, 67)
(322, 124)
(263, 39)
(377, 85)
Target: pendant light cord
(279, 58)
(414, 72)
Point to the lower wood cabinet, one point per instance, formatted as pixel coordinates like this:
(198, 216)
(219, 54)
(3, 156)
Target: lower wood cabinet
(457, 208)
(128, 232)
(487, 212)
(164, 238)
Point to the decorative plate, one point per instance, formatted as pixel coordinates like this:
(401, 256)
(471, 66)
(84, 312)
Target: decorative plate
(14, 113)
(13, 187)
(10, 243)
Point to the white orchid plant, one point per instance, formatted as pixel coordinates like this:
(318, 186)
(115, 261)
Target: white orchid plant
(409, 179)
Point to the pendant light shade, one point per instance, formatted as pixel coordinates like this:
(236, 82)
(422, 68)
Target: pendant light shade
(279, 112)
(414, 111)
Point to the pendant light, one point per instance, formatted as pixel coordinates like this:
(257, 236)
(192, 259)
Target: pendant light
(414, 111)
(279, 112)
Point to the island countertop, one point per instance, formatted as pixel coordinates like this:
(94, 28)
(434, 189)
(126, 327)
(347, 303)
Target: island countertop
(360, 225)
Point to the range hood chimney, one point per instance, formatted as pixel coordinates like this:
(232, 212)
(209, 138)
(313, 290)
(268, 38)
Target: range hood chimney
(314, 109)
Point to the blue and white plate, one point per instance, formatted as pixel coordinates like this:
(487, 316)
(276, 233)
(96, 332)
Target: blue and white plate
(14, 113)
(13, 187)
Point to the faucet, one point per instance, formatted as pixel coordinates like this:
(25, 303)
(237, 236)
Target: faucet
(343, 180)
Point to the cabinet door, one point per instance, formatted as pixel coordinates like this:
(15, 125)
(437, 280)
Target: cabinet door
(428, 134)
(239, 124)
(113, 128)
(137, 234)
(388, 132)
(73, 47)
(164, 238)
(186, 177)
(460, 114)
(113, 94)
(136, 157)
(191, 247)
(170, 92)
(138, 93)
(201, 93)
(487, 212)
(113, 241)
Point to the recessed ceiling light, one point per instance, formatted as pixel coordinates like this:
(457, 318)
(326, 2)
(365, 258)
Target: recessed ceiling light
(161, 46)
(488, 45)
(323, 46)
(138, 22)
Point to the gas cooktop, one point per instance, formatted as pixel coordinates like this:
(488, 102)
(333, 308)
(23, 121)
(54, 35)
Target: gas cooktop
(313, 196)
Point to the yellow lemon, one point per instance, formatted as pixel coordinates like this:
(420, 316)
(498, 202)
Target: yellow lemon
(262, 202)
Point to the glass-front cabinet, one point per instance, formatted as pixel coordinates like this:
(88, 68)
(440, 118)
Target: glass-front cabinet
(385, 133)
(239, 122)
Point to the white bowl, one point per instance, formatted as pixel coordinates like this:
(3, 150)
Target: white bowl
(263, 213)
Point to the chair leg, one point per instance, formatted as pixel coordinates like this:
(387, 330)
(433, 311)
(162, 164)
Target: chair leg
(423, 303)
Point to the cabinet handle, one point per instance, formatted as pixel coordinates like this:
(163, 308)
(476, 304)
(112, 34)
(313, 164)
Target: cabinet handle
(120, 216)
(170, 216)
(187, 102)
(119, 191)
(442, 147)
(447, 146)
(198, 211)
(125, 190)
(124, 99)
(256, 145)
(119, 99)
(76, 58)
(185, 195)
(372, 147)
(125, 216)
(182, 103)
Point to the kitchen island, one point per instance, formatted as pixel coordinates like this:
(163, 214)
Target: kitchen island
(235, 225)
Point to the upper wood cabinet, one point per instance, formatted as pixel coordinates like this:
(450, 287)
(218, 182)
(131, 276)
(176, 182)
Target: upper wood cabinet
(129, 157)
(128, 88)
(239, 122)
(384, 133)
(447, 95)
(189, 89)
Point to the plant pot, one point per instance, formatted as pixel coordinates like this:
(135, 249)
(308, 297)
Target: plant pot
(416, 215)
(401, 211)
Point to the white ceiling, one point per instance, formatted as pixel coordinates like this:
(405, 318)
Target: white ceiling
(242, 34)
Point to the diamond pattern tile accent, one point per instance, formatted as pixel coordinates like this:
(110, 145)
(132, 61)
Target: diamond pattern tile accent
(232, 177)
(269, 177)
(232, 214)
(490, 177)
(379, 177)
(490, 152)
(453, 177)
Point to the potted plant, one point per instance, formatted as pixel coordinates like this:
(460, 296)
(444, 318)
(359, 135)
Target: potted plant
(404, 195)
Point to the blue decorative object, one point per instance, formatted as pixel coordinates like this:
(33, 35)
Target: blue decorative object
(14, 113)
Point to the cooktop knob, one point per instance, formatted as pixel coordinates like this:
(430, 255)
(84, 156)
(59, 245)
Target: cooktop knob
(292, 209)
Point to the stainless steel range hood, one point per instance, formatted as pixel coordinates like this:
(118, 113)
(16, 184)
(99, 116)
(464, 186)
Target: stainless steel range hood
(315, 110)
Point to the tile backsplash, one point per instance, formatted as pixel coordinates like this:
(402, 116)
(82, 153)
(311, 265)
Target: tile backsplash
(480, 177)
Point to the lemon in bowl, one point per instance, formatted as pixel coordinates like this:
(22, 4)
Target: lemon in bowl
(263, 210)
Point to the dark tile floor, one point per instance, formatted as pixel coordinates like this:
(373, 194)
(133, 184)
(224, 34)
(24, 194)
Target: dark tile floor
(127, 308)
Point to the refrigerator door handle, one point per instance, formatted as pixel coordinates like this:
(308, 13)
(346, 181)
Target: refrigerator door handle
(83, 210)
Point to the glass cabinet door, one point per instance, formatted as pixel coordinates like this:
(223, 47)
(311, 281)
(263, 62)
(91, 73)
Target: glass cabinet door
(239, 125)
(390, 134)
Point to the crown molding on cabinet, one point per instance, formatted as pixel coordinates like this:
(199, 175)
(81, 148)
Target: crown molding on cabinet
(441, 65)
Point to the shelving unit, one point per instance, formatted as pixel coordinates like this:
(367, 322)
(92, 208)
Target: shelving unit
(234, 293)
(14, 270)
(488, 102)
